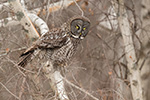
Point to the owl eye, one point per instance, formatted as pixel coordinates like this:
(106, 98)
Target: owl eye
(77, 27)
(84, 28)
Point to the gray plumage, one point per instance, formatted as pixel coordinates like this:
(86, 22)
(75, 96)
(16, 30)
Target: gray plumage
(59, 44)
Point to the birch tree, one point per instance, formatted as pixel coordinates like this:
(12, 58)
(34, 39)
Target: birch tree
(134, 71)
(108, 65)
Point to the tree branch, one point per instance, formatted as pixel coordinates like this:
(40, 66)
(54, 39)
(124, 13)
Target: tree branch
(84, 91)
(33, 14)
(56, 82)
(9, 91)
(24, 19)
(36, 20)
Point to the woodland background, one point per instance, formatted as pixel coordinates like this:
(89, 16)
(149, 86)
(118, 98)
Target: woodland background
(100, 65)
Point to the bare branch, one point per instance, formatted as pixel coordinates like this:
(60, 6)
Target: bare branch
(9, 91)
(82, 13)
(84, 91)
(22, 87)
(36, 20)
(16, 66)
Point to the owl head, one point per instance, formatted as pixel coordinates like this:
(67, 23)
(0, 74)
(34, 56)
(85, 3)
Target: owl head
(79, 27)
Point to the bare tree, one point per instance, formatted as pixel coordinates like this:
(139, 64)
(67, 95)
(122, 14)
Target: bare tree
(112, 62)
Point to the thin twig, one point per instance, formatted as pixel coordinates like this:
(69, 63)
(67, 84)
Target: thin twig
(16, 66)
(48, 11)
(22, 87)
(84, 91)
(147, 55)
(82, 13)
(9, 91)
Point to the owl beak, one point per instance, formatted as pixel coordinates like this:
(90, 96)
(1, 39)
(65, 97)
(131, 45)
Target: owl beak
(81, 37)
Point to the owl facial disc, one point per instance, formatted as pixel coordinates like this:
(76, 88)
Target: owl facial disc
(79, 28)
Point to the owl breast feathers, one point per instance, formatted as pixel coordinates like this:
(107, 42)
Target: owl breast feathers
(59, 43)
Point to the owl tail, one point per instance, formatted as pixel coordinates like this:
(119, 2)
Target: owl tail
(25, 59)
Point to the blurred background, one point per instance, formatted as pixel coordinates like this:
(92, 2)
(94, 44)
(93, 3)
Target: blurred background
(99, 65)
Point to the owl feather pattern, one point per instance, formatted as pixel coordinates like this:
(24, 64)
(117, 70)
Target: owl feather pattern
(60, 43)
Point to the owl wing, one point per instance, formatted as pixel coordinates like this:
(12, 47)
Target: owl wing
(55, 38)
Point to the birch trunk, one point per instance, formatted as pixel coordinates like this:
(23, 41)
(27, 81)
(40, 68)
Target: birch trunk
(24, 19)
(135, 79)
(22, 13)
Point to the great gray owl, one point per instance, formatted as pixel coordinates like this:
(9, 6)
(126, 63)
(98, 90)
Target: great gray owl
(59, 43)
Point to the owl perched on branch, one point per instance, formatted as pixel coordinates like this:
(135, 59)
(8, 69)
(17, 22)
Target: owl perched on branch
(59, 44)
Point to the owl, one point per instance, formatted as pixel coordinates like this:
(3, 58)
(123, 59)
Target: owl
(59, 44)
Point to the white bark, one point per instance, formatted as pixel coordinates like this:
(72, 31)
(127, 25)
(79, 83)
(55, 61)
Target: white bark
(56, 78)
(39, 23)
(24, 19)
(135, 80)
(11, 21)
(56, 82)
(32, 14)
(36, 20)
